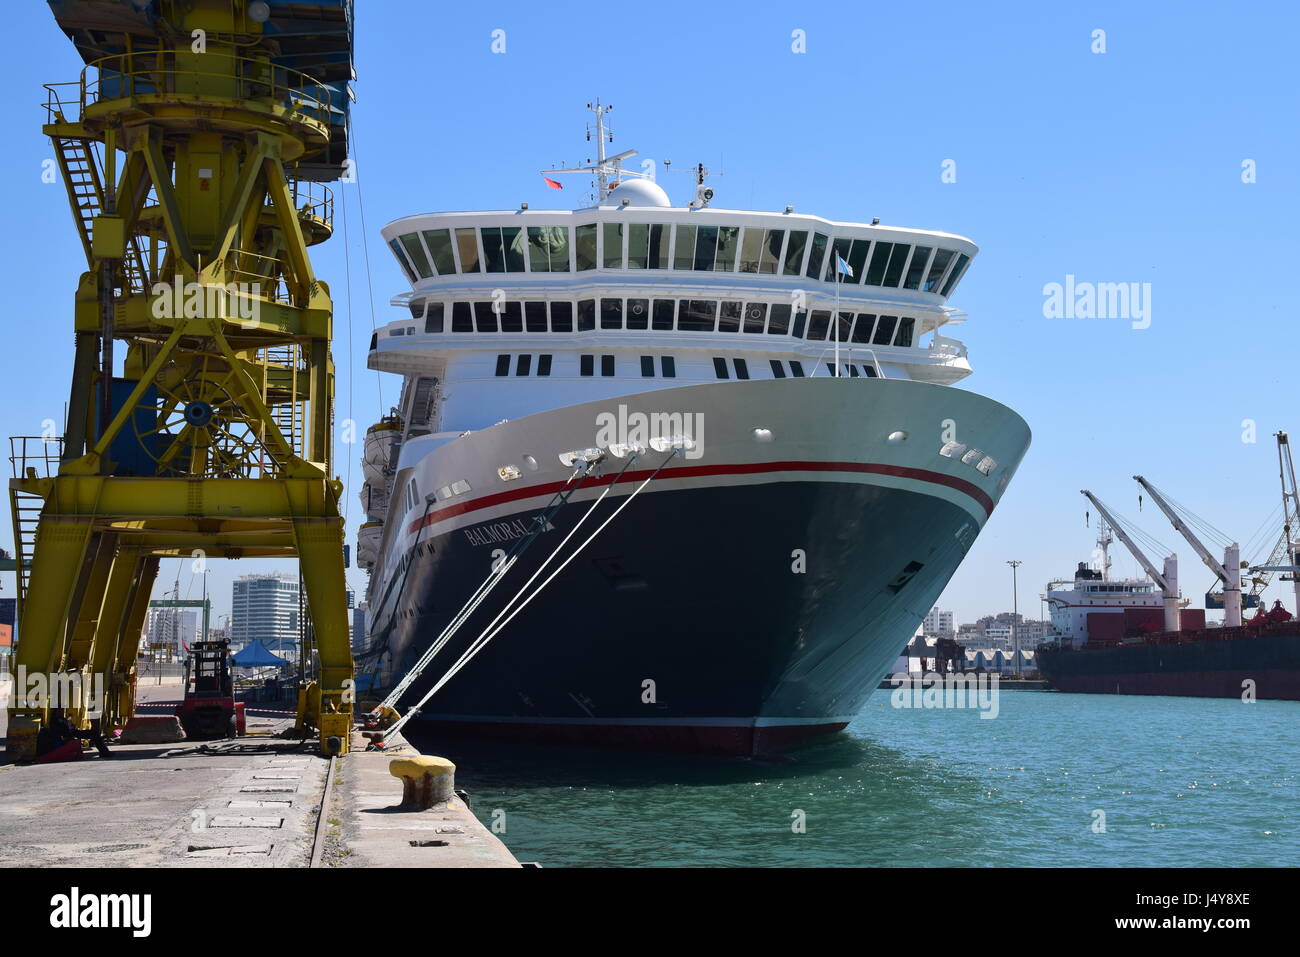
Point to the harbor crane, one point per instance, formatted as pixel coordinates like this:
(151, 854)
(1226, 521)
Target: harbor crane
(194, 146)
(1229, 572)
(1287, 545)
(1166, 578)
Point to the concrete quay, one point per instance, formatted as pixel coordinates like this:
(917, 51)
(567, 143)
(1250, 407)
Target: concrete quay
(253, 801)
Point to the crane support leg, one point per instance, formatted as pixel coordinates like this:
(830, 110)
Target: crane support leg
(329, 705)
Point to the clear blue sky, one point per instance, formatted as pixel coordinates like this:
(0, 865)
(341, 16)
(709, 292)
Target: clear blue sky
(1115, 167)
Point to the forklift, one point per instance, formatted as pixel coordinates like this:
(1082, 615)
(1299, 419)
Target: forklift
(209, 710)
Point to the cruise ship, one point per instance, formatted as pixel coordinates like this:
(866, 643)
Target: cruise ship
(666, 477)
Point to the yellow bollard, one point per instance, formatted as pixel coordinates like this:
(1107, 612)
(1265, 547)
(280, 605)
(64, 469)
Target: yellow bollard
(426, 781)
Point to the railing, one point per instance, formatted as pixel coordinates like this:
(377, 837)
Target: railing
(313, 200)
(264, 274)
(155, 73)
(39, 452)
(943, 346)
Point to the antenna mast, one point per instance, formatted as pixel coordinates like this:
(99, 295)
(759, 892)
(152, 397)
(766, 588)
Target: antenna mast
(608, 169)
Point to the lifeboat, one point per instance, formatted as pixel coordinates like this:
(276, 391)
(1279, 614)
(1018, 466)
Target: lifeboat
(378, 448)
(374, 499)
(368, 536)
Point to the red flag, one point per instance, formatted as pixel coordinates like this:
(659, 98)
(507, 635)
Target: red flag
(552, 183)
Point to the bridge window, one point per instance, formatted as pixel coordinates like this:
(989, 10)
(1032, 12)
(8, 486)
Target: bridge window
(611, 314)
(778, 370)
(414, 249)
(684, 248)
(606, 365)
(548, 248)
(544, 364)
(638, 313)
(433, 318)
(905, 327)
(796, 368)
(751, 248)
(503, 365)
(755, 316)
(462, 319)
(417, 309)
(794, 253)
(799, 319)
(647, 246)
(879, 261)
(862, 328)
(663, 314)
(897, 259)
(884, 330)
(937, 266)
(741, 367)
(820, 322)
(697, 315)
(720, 368)
(586, 365)
(586, 315)
(870, 370)
(728, 246)
(858, 260)
(962, 262)
(840, 248)
(729, 316)
(396, 247)
(816, 256)
(706, 247)
(512, 317)
(668, 367)
(778, 322)
(843, 327)
(467, 247)
(561, 317)
(647, 367)
(439, 243)
(584, 246)
(535, 316)
(485, 317)
(853, 371)
(503, 248)
(524, 364)
(613, 246)
(916, 269)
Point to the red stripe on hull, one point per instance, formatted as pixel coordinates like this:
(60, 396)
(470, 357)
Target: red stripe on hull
(1271, 685)
(696, 471)
(720, 740)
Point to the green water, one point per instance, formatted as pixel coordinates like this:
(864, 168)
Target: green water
(1182, 781)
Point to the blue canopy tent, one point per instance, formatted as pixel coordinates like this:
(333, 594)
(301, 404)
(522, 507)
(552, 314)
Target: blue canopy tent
(255, 655)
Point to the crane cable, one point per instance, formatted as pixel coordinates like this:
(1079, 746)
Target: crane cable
(494, 629)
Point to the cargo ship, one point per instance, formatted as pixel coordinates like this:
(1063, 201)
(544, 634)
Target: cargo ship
(1137, 636)
(713, 458)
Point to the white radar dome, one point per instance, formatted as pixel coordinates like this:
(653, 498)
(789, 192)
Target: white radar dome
(637, 192)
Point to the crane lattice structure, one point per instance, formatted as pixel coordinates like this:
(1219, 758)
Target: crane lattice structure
(194, 147)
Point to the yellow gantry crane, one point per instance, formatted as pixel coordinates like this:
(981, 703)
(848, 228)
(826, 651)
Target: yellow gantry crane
(194, 147)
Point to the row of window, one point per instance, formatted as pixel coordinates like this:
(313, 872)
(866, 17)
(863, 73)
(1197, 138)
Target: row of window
(667, 368)
(686, 315)
(618, 245)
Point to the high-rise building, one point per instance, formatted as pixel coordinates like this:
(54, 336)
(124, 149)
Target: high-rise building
(171, 629)
(359, 626)
(939, 623)
(265, 608)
